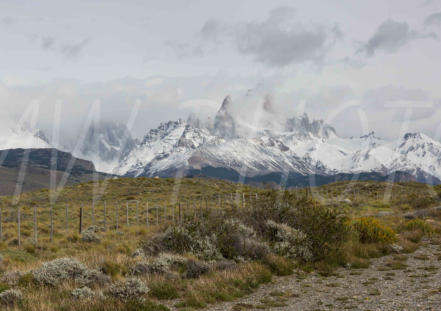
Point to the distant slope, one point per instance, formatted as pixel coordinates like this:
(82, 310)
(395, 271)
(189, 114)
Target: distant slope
(38, 164)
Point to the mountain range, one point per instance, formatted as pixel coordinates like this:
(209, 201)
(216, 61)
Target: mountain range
(294, 151)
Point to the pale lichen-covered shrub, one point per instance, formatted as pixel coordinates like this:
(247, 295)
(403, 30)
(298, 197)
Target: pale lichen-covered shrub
(11, 297)
(238, 226)
(90, 235)
(158, 265)
(131, 289)
(289, 242)
(139, 252)
(56, 271)
(59, 270)
(238, 241)
(11, 277)
(205, 248)
(93, 277)
(83, 293)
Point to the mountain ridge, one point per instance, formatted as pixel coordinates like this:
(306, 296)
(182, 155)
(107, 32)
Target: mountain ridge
(271, 145)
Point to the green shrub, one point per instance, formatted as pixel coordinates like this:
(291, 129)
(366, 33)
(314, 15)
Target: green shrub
(280, 266)
(146, 305)
(112, 269)
(163, 290)
(418, 224)
(27, 280)
(3, 287)
(325, 228)
(372, 230)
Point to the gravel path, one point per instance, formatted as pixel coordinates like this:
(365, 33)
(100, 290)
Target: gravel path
(394, 282)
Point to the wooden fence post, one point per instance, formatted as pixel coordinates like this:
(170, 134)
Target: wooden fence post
(157, 215)
(173, 213)
(116, 216)
(67, 217)
(1, 226)
(35, 226)
(137, 213)
(93, 212)
(127, 214)
(52, 223)
(80, 228)
(147, 214)
(105, 216)
(19, 225)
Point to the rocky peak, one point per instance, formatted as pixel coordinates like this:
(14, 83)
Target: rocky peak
(304, 126)
(224, 123)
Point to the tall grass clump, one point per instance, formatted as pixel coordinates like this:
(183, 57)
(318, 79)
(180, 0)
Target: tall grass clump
(418, 225)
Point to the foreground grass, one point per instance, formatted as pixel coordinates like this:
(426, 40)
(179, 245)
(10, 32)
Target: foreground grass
(364, 238)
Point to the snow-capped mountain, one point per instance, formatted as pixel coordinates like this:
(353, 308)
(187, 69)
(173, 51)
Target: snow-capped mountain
(105, 143)
(22, 137)
(271, 147)
(304, 147)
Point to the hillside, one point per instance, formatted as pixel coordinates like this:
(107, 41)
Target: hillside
(36, 166)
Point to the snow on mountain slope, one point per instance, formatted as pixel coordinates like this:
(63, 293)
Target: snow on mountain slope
(418, 154)
(300, 146)
(22, 138)
(105, 144)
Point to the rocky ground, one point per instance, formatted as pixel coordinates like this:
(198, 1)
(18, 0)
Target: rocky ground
(394, 282)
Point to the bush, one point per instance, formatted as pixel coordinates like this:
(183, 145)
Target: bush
(90, 235)
(175, 239)
(11, 277)
(237, 241)
(289, 242)
(195, 269)
(112, 269)
(325, 228)
(280, 266)
(59, 270)
(11, 297)
(83, 293)
(162, 264)
(56, 271)
(26, 280)
(371, 230)
(418, 225)
(3, 287)
(163, 290)
(131, 289)
(136, 305)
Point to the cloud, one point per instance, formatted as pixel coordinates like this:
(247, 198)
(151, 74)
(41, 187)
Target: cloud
(213, 30)
(66, 49)
(433, 19)
(47, 43)
(390, 93)
(7, 20)
(390, 36)
(395, 99)
(278, 41)
(72, 50)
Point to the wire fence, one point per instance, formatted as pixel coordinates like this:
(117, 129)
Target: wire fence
(34, 224)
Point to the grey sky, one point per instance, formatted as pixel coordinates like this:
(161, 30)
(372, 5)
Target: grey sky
(179, 57)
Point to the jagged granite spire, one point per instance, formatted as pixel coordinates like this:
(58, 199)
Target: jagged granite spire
(224, 123)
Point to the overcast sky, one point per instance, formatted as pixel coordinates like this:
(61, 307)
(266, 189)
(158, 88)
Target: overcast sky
(352, 63)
